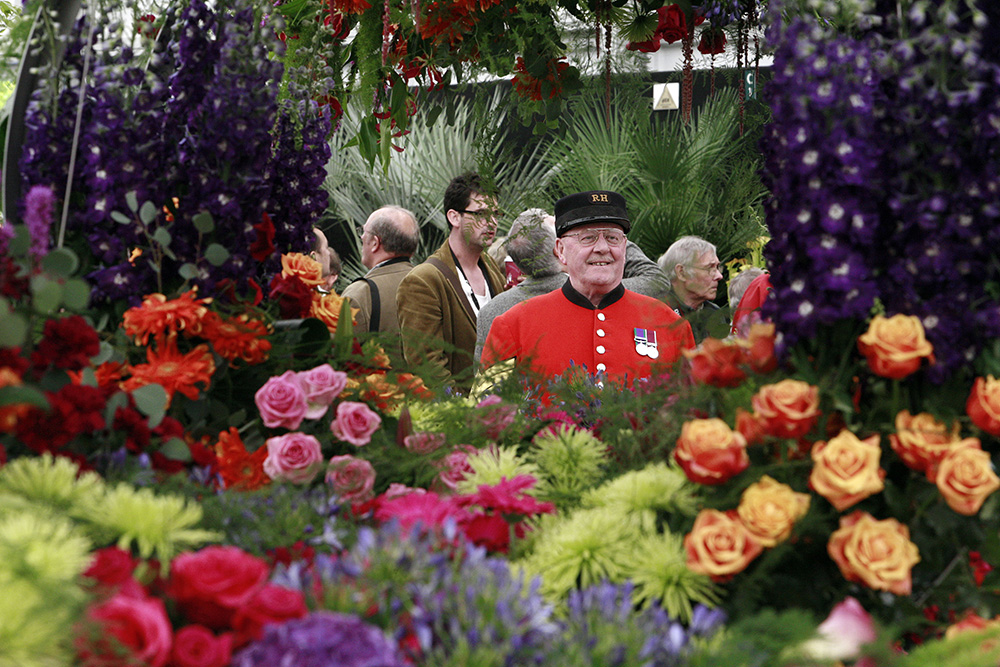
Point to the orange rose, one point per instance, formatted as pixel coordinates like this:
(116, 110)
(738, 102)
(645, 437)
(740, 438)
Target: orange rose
(305, 268)
(876, 553)
(965, 477)
(983, 406)
(769, 510)
(719, 545)
(895, 346)
(922, 441)
(710, 452)
(717, 363)
(758, 348)
(788, 409)
(326, 308)
(846, 470)
(749, 427)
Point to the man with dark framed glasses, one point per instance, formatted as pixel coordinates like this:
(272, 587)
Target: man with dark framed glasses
(593, 321)
(692, 267)
(439, 300)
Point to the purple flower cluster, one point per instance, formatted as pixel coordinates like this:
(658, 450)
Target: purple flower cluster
(197, 132)
(321, 639)
(882, 163)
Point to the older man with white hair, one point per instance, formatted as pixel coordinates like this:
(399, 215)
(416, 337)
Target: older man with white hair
(694, 272)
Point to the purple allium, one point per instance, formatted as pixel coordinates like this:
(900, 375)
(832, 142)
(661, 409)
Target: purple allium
(321, 639)
(38, 205)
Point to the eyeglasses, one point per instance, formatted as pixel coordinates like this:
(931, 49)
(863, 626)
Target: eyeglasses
(613, 237)
(482, 213)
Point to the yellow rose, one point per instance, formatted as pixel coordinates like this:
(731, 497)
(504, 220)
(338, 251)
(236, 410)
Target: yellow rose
(305, 268)
(921, 441)
(769, 510)
(895, 346)
(876, 553)
(965, 477)
(846, 470)
(719, 545)
(710, 452)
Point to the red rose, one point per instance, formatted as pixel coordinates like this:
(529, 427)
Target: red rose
(294, 297)
(649, 46)
(270, 604)
(717, 363)
(211, 584)
(672, 25)
(983, 404)
(112, 566)
(713, 40)
(197, 646)
(263, 244)
(137, 623)
(488, 530)
(710, 452)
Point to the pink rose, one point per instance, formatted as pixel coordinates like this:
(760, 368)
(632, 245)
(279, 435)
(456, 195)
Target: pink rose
(112, 566)
(424, 442)
(355, 423)
(352, 478)
(282, 401)
(139, 624)
(495, 416)
(197, 646)
(293, 457)
(211, 584)
(455, 467)
(396, 490)
(321, 385)
(842, 634)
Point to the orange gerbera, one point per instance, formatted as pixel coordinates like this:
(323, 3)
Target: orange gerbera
(305, 268)
(173, 370)
(238, 338)
(238, 468)
(159, 317)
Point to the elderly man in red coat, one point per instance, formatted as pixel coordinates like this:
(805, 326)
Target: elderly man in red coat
(593, 321)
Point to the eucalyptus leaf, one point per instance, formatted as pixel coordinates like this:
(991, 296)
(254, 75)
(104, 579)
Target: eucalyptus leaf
(62, 262)
(76, 294)
(12, 395)
(104, 354)
(151, 400)
(147, 213)
(203, 222)
(188, 271)
(119, 399)
(19, 244)
(13, 330)
(216, 254)
(132, 201)
(46, 294)
(121, 218)
(162, 236)
(176, 449)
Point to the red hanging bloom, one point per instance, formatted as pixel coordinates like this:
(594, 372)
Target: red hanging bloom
(713, 41)
(672, 25)
(349, 6)
(527, 85)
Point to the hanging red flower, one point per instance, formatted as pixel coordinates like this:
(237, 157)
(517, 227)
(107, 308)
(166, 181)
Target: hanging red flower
(672, 25)
(713, 41)
(530, 87)
(263, 245)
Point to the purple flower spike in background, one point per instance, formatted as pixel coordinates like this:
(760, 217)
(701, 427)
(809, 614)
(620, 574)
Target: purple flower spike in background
(38, 205)
(322, 639)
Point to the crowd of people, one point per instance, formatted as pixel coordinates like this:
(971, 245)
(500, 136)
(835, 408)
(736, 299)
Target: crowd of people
(570, 289)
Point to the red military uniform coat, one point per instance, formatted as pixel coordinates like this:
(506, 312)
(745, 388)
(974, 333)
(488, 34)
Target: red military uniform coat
(548, 333)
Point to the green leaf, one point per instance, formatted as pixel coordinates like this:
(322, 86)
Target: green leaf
(176, 449)
(162, 236)
(46, 294)
(216, 254)
(121, 218)
(119, 399)
(132, 201)
(24, 394)
(432, 115)
(151, 400)
(18, 246)
(13, 330)
(147, 213)
(76, 294)
(238, 418)
(62, 262)
(203, 222)
(188, 271)
(105, 353)
(343, 337)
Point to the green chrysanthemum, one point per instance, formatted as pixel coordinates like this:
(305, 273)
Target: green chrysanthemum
(36, 625)
(492, 465)
(660, 573)
(48, 482)
(585, 548)
(657, 487)
(569, 461)
(157, 525)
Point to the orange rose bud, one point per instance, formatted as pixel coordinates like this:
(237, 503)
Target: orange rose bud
(749, 427)
(788, 409)
(710, 452)
(876, 553)
(922, 441)
(307, 269)
(983, 406)
(965, 477)
(895, 346)
(758, 348)
(719, 545)
(717, 363)
(769, 510)
(846, 470)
